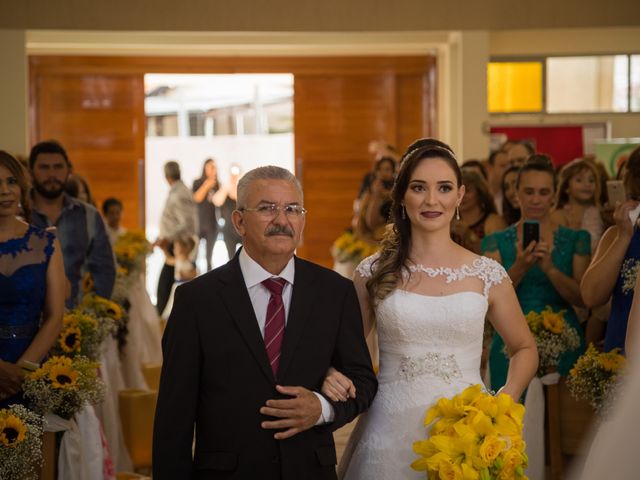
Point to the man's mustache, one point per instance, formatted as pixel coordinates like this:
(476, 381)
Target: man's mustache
(279, 230)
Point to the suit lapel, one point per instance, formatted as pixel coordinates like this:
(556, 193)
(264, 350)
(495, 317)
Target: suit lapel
(236, 298)
(302, 301)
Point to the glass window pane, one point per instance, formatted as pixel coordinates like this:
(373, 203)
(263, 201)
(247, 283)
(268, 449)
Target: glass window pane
(635, 83)
(587, 84)
(514, 87)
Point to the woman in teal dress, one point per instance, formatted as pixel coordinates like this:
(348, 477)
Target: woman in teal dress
(31, 285)
(546, 273)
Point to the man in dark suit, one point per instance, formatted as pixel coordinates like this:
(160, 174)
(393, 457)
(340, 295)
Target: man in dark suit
(246, 350)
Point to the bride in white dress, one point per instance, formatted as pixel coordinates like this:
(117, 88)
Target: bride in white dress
(428, 297)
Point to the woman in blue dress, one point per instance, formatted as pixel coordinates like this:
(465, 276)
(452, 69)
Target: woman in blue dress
(616, 262)
(32, 285)
(545, 273)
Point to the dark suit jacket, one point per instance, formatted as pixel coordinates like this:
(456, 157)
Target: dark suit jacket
(216, 376)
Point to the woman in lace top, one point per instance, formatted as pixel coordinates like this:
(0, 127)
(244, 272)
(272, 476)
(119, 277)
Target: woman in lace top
(31, 285)
(616, 262)
(545, 273)
(428, 298)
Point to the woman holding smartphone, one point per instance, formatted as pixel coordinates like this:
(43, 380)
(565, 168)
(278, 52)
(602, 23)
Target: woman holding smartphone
(616, 262)
(544, 260)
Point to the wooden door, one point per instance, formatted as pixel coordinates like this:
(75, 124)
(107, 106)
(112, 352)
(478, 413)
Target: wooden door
(95, 107)
(99, 119)
(336, 116)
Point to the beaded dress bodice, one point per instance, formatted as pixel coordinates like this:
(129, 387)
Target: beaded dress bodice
(430, 347)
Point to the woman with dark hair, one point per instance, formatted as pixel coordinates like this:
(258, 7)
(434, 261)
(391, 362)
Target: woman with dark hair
(428, 297)
(545, 272)
(616, 262)
(477, 212)
(78, 187)
(376, 201)
(32, 284)
(510, 202)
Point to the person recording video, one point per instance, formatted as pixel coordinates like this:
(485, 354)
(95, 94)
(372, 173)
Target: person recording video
(376, 201)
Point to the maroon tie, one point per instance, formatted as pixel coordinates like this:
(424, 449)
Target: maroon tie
(274, 326)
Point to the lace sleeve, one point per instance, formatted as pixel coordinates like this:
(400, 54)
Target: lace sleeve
(582, 243)
(492, 273)
(365, 267)
(489, 244)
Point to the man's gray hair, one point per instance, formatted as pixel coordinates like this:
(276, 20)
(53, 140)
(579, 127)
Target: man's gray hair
(270, 172)
(172, 170)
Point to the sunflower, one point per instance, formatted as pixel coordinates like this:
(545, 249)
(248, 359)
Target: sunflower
(87, 283)
(63, 377)
(12, 431)
(552, 322)
(70, 339)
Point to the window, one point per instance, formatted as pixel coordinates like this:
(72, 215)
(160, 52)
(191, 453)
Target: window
(635, 83)
(588, 84)
(515, 86)
(578, 84)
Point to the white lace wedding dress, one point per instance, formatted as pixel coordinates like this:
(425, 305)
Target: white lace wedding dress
(430, 347)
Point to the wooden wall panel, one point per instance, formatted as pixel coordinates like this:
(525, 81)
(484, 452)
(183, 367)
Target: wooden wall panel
(99, 119)
(95, 106)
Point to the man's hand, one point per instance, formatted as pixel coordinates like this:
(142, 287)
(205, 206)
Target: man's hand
(295, 414)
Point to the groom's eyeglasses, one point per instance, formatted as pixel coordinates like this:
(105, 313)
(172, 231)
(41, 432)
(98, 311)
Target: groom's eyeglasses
(271, 210)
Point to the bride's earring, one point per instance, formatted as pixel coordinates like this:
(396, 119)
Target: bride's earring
(404, 213)
(457, 212)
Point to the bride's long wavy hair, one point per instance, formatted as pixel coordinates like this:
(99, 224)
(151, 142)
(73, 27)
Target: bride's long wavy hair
(388, 268)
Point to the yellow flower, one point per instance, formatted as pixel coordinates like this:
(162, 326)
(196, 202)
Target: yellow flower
(491, 447)
(12, 431)
(70, 339)
(511, 460)
(63, 377)
(87, 283)
(611, 361)
(449, 471)
(552, 321)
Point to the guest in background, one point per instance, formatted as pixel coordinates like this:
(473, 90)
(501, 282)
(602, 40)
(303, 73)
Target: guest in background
(577, 199)
(498, 165)
(476, 166)
(231, 238)
(78, 187)
(178, 219)
(112, 213)
(79, 227)
(184, 268)
(520, 151)
(478, 216)
(510, 202)
(377, 149)
(616, 262)
(205, 190)
(376, 202)
(32, 285)
(544, 273)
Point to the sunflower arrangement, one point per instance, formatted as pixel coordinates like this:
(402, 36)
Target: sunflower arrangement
(553, 337)
(82, 334)
(594, 377)
(131, 249)
(473, 436)
(350, 248)
(63, 385)
(20, 443)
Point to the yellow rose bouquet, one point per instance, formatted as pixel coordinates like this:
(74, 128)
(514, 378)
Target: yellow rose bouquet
(63, 385)
(349, 248)
(82, 334)
(473, 436)
(20, 443)
(131, 249)
(553, 335)
(594, 376)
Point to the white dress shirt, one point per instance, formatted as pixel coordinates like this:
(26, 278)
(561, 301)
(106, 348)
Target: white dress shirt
(254, 275)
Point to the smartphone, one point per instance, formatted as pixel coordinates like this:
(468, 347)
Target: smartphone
(615, 192)
(634, 214)
(530, 232)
